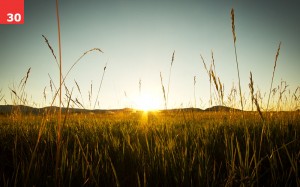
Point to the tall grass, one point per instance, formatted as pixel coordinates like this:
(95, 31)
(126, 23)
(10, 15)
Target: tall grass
(163, 90)
(254, 98)
(166, 94)
(172, 61)
(61, 83)
(275, 63)
(121, 148)
(209, 76)
(60, 98)
(236, 58)
(20, 97)
(104, 70)
(116, 150)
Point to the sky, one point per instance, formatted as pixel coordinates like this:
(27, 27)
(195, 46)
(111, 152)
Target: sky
(138, 38)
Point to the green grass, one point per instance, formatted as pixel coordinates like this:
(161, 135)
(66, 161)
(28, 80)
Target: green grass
(154, 149)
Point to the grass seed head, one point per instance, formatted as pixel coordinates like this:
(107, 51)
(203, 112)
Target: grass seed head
(204, 64)
(78, 88)
(233, 25)
(254, 98)
(163, 89)
(44, 93)
(277, 54)
(214, 79)
(51, 49)
(172, 58)
(51, 85)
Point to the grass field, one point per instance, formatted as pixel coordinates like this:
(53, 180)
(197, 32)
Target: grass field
(125, 148)
(156, 148)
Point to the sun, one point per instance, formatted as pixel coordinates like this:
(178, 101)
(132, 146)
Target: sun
(147, 102)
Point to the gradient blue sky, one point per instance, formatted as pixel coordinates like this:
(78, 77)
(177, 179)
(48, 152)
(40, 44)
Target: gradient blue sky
(138, 39)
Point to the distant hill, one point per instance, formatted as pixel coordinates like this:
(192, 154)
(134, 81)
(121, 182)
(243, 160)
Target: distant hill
(184, 109)
(222, 109)
(7, 109)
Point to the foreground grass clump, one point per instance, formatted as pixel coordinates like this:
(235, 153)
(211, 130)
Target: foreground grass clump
(154, 149)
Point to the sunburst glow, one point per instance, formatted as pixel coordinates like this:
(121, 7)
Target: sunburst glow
(147, 102)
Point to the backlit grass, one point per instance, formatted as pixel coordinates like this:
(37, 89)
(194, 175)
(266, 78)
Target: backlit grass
(153, 149)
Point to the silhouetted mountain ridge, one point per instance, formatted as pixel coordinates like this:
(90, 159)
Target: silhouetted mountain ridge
(7, 109)
(220, 108)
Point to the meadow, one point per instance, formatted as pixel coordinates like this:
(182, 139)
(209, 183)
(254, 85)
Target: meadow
(182, 147)
(126, 148)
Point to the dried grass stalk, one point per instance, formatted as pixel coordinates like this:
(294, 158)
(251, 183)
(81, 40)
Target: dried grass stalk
(276, 57)
(51, 49)
(236, 59)
(59, 125)
(78, 88)
(253, 98)
(163, 89)
(77, 101)
(44, 93)
(214, 79)
(233, 25)
(172, 61)
(209, 75)
(104, 69)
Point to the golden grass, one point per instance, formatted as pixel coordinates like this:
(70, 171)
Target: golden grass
(169, 148)
(276, 58)
(170, 77)
(163, 89)
(253, 98)
(180, 148)
(236, 59)
(209, 76)
(51, 49)
(100, 85)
